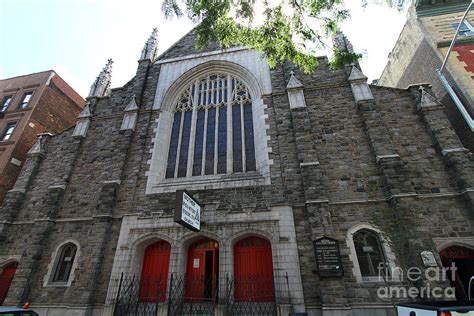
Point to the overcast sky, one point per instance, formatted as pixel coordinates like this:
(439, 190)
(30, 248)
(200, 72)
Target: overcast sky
(76, 37)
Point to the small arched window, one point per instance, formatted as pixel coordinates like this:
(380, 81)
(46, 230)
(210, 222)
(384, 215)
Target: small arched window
(65, 263)
(212, 131)
(370, 254)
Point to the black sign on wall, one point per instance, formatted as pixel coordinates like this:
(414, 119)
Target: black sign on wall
(328, 257)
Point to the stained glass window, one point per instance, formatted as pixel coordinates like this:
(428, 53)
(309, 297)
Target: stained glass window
(212, 130)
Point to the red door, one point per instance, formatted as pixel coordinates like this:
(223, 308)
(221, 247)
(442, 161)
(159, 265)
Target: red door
(463, 260)
(202, 271)
(155, 267)
(6, 279)
(253, 270)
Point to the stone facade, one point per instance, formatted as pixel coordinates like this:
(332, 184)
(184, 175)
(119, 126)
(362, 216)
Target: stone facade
(420, 51)
(98, 192)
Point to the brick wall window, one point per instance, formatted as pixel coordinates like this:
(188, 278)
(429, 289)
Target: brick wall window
(466, 28)
(6, 103)
(65, 263)
(370, 253)
(25, 100)
(8, 132)
(212, 130)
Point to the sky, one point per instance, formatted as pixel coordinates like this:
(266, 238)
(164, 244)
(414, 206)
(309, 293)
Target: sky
(76, 37)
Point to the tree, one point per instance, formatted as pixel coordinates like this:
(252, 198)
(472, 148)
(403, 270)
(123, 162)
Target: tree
(281, 29)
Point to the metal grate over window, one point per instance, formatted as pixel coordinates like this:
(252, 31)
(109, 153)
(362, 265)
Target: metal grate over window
(212, 129)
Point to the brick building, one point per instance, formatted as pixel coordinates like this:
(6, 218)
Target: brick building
(421, 49)
(32, 104)
(285, 167)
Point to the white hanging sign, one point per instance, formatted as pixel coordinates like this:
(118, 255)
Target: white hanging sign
(187, 211)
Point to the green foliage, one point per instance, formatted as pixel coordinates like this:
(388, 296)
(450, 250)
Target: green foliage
(341, 58)
(291, 30)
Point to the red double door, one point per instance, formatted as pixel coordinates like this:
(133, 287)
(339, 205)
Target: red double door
(6, 279)
(253, 270)
(155, 268)
(202, 271)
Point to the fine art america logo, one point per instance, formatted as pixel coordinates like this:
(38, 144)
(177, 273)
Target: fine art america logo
(429, 276)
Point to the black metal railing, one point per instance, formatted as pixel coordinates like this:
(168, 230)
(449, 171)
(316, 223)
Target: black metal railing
(185, 295)
(134, 296)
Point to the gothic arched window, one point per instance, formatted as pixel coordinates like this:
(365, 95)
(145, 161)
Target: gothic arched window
(65, 262)
(212, 131)
(370, 254)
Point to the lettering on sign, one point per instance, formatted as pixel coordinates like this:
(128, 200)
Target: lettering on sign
(328, 257)
(196, 263)
(187, 211)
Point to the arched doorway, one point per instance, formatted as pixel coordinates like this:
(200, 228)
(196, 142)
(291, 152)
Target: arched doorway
(6, 278)
(155, 268)
(202, 272)
(253, 270)
(463, 260)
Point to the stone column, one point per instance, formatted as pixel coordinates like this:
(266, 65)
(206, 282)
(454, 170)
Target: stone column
(14, 198)
(457, 159)
(389, 162)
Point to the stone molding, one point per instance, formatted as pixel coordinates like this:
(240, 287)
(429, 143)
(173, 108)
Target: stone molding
(6, 260)
(309, 164)
(157, 183)
(200, 55)
(359, 86)
(295, 92)
(247, 65)
(443, 243)
(378, 158)
(53, 263)
(388, 253)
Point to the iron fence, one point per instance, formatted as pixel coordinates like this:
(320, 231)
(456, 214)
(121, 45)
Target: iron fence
(184, 295)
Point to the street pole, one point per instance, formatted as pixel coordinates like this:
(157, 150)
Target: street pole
(444, 81)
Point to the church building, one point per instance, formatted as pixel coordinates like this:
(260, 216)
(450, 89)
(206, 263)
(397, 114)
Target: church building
(298, 178)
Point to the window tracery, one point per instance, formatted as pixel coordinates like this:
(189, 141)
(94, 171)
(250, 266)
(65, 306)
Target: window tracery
(212, 131)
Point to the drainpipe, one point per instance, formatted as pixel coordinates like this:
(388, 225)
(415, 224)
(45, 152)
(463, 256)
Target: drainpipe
(439, 72)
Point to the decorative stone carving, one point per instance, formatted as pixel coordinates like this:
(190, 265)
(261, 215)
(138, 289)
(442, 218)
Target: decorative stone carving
(130, 115)
(101, 86)
(359, 86)
(150, 50)
(295, 93)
